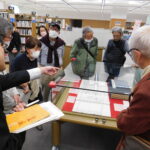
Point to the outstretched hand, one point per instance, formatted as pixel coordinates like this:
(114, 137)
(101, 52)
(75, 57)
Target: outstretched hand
(49, 70)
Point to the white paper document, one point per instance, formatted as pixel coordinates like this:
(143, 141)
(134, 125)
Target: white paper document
(93, 97)
(55, 114)
(90, 102)
(120, 107)
(92, 108)
(71, 99)
(94, 85)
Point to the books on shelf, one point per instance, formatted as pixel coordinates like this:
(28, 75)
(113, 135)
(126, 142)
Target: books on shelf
(25, 32)
(33, 116)
(41, 19)
(4, 15)
(40, 24)
(24, 24)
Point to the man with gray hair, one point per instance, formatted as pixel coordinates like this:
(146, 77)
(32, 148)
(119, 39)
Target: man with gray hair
(83, 54)
(134, 121)
(5, 35)
(114, 56)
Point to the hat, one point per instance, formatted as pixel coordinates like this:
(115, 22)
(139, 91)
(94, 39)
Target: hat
(55, 24)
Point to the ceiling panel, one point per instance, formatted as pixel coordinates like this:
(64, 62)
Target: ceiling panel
(133, 6)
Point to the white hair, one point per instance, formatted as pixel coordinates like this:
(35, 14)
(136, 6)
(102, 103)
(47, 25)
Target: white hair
(86, 30)
(5, 26)
(140, 40)
(117, 29)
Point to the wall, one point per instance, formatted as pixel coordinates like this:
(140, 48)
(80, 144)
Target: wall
(114, 22)
(103, 35)
(96, 23)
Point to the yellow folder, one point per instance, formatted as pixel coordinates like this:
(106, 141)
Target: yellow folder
(26, 117)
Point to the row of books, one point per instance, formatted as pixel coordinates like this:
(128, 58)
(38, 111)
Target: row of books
(40, 24)
(4, 15)
(40, 19)
(24, 24)
(25, 31)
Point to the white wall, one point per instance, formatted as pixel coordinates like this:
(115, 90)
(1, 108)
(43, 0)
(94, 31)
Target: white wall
(2, 5)
(102, 35)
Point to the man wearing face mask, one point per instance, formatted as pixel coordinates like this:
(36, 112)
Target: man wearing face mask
(114, 56)
(83, 54)
(52, 52)
(28, 60)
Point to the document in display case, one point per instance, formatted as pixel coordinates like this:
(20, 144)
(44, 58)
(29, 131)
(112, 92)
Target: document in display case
(95, 97)
(93, 102)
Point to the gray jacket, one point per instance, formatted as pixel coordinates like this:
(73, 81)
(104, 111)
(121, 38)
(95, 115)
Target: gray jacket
(44, 55)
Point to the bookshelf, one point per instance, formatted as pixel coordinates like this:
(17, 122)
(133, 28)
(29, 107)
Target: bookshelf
(41, 21)
(25, 26)
(4, 13)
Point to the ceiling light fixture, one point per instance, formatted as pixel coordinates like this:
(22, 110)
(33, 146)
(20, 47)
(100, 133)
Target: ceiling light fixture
(70, 5)
(139, 7)
(102, 8)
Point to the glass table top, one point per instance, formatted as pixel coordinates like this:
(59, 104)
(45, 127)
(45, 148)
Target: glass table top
(120, 83)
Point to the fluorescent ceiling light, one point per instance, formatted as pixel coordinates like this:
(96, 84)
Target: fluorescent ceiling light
(83, 1)
(135, 2)
(46, 1)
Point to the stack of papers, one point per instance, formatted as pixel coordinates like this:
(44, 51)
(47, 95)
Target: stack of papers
(33, 116)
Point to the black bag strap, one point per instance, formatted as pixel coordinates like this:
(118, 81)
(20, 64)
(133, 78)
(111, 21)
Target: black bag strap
(87, 50)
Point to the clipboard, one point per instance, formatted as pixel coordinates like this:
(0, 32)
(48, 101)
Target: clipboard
(51, 109)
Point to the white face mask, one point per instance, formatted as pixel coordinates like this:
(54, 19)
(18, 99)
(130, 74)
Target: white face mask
(6, 44)
(53, 34)
(43, 33)
(35, 54)
(88, 41)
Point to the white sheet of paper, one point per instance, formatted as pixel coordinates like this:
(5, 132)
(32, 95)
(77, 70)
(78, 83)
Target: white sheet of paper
(71, 99)
(91, 96)
(94, 85)
(119, 107)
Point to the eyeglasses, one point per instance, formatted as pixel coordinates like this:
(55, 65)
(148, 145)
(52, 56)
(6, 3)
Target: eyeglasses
(130, 52)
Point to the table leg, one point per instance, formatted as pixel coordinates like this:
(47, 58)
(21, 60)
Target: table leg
(56, 135)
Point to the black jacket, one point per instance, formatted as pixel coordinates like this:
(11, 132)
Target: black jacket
(6, 82)
(15, 42)
(115, 52)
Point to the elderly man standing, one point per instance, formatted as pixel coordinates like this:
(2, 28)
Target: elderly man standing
(134, 121)
(114, 56)
(83, 54)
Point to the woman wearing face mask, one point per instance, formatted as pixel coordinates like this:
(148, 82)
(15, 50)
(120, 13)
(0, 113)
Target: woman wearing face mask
(83, 54)
(42, 31)
(28, 60)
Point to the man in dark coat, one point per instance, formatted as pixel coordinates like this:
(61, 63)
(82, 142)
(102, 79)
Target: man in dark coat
(114, 56)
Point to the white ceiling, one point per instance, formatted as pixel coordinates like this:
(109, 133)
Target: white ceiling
(85, 9)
